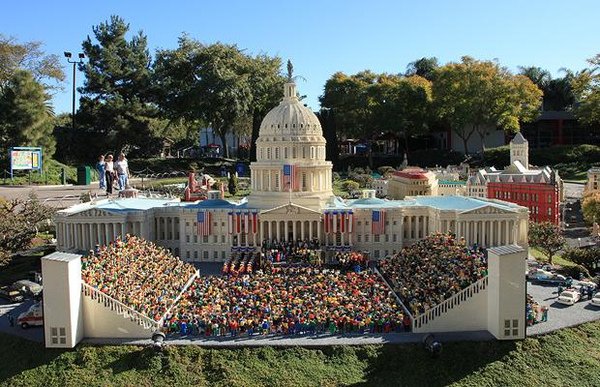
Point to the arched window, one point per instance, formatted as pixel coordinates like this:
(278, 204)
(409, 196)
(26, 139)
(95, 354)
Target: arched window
(276, 153)
(312, 152)
(285, 153)
(268, 153)
(294, 152)
(303, 152)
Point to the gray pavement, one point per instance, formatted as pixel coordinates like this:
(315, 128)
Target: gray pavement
(33, 333)
(559, 315)
(307, 340)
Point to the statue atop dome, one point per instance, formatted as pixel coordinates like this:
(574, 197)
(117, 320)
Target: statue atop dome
(290, 70)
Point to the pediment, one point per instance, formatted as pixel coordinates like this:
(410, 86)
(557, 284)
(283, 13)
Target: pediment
(290, 209)
(487, 210)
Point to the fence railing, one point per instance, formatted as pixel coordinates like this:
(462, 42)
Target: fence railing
(406, 310)
(119, 308)
(187, 285)
(450, 303)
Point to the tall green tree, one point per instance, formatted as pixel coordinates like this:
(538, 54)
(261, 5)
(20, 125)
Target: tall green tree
(29, 56)
(266, 84)
(547, 237)
(586, 86)
(401, 105)
(474, 95)
(206, 84)
(349, 99)
(424, 67)
(116, 94)
(26, 117)
(558, 92)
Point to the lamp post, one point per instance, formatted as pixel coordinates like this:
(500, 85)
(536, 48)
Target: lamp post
(68, 55)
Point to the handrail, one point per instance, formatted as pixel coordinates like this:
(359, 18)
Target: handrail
(122, 309)
(455, 300)
(186, 286)
(406, 310)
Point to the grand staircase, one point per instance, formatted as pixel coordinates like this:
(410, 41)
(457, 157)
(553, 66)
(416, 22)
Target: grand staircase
(110, 308)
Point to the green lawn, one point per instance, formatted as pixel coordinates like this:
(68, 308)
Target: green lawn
(557, 259)
(570, 357)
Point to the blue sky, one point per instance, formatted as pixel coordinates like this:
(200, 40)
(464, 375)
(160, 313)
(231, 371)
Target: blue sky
(322, 37)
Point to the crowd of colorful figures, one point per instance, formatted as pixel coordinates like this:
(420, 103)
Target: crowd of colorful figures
(258, 295)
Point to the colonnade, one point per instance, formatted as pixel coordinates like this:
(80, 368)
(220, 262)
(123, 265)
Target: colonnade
(485, 233)
(286, 229)
(84, 236)
(166, 228)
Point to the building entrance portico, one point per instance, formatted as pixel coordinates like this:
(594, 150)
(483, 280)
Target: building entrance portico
(290, 222)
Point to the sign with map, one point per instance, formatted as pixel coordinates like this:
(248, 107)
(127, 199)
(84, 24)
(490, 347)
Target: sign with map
(25, 158)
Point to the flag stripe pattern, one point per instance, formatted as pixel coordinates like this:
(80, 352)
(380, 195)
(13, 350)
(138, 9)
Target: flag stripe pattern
(378, 222)
(204, 222)
(290, 177)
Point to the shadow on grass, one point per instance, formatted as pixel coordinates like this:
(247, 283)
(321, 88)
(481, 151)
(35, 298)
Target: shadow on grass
(411, 365)
(18, 355)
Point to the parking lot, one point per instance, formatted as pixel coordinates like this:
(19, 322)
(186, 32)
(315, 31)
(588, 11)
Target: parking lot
(559, 315)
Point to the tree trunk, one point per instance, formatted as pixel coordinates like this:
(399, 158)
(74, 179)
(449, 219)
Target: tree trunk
(464, 139)
(223, 137)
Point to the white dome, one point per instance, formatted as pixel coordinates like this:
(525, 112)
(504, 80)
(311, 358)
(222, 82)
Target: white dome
(290, 118)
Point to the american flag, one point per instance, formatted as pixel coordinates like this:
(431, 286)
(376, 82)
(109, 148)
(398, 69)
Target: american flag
(378, 222)
(204, 223)
(290, 177)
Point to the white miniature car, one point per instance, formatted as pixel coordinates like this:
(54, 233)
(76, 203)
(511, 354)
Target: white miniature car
(596, 300)
(569, 297)
(33, 317)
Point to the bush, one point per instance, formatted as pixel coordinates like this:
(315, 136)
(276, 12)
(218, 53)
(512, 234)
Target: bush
(576, 271)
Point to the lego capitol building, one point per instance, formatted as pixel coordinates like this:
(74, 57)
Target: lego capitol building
(291, 198)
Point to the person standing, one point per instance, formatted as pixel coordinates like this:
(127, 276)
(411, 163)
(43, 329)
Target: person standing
(110, 174)
(101, 168)
(11, 319)
(122, 171)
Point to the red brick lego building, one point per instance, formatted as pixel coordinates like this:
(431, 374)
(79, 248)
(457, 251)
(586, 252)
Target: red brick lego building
(540, 190)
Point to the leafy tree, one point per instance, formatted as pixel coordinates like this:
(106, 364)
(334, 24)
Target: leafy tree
(558, 92)
(205, 84)
(349, 100)
(590, 206)
(401, 105)
(586, 87)
(25, 114)
(117, 96)
(473, 95)
(588, 258)
(19, 223)
(28, 56)
(424, 67)
(266, 85)
(547, 237)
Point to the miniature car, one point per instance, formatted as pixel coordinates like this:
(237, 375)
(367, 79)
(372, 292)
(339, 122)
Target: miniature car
(596, 300)
(545, 277)
(569, 297)
(28, 288)
(33, 317)
(11, 294)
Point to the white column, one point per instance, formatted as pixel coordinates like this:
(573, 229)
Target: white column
(310, 229)
(319, 224)
(507, 240)
(294, 230)
(278, 231)
(401, 231)
(302, 233)
(409, 227)
(106, 233)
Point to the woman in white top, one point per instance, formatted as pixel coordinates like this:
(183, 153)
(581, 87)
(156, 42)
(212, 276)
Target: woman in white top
(110, 174)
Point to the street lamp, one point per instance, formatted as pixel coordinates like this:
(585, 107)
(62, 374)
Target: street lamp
(68, 55)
